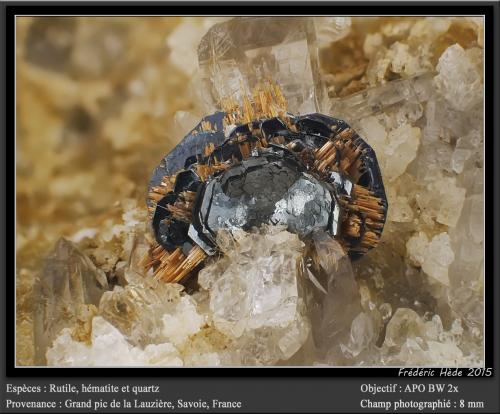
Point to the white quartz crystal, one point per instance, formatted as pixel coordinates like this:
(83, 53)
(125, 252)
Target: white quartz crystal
(258, 289)
(234, 61)
(435, 256)
(401, 149)
(395, 149)
(402, 61)
(108, 348)
(458, 80)
(404, 324)
(183, 322)
(362, 334)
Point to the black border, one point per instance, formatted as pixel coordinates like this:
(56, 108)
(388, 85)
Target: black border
(256, 8)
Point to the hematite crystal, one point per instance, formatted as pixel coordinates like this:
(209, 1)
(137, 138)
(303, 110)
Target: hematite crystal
(237, 198)
(240, 170)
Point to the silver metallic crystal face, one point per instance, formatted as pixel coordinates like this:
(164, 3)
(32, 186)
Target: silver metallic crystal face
(305, 206)
(267, 188)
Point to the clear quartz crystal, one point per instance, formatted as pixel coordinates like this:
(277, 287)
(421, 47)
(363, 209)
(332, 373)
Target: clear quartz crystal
(331, 28)
(376, 100)
(108, 347)
(254, 295)
(361, 335)
(69, 283)
(137, 309)
(405, 323)
(236, 55)
(333, 306)
(459, 80)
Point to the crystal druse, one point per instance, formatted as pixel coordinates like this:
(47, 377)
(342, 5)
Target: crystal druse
(411, 87)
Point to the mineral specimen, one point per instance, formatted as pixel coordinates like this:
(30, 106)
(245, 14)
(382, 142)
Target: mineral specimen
(95, 89)
(105, 337)
(336, 303)
(69, 287)
(235, 55)
(254, 295)
(307, 172)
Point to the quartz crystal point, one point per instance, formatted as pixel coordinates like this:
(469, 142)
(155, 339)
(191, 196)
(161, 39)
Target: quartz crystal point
(334, 302)
(136, 310)
(375, 100)
(254, 294)
(458, 80)
(234, 56)
(68, 284)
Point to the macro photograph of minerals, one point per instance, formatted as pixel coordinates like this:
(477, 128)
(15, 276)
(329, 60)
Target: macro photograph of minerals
(249, 191)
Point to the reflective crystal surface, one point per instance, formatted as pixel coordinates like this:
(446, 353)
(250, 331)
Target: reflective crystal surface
(237, 199)
(136, 309)
(236, 55)
(68, 287)
(254, 294)
(334, 299)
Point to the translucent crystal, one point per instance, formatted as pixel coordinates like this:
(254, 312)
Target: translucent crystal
(401, 149)
(466, 146)
(430, 353)
(434, 328)
(404, 324)
(466, 273)
(183, 322)
(69, 282)
(439, 257)
(333, 308)
(377, 99)
(108, 347)
(236, 55)
(403, 61)
(435, 256)
(417, 248)
(375, 134)
(267, 346)
(254, 295)
(395, 149)
(458, 80)
(331, 28)
(137, 310)
(401, 210)
(259, 286)
(361, 335)
(443, 200)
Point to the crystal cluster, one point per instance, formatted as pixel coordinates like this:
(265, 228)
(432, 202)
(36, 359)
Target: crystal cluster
(248, 312)
(96, 88)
